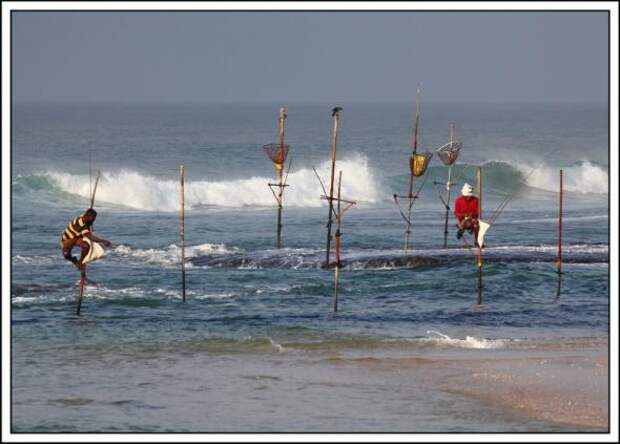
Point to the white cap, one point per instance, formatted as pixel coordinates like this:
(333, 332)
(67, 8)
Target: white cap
(467, 190)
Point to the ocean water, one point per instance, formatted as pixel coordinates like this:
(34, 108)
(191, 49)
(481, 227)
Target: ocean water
(257, 346)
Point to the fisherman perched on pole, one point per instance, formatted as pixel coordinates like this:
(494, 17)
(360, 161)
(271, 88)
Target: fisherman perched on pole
(79, 232)
(466, 212)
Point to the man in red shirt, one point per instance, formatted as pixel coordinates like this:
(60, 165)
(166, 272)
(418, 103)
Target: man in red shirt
(466, 212)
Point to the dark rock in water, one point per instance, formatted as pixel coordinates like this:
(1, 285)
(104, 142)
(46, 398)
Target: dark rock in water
(400, 262)
(422, 258)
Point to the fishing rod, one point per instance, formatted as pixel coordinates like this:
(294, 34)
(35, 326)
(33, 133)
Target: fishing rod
(278, 153)
(418, 164)
(94, 192)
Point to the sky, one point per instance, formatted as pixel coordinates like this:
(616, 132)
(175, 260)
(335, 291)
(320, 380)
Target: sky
(214, 57)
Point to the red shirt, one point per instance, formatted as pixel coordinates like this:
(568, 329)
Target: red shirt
(464, 207)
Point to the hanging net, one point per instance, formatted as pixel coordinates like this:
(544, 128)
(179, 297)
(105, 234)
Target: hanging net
(418, 163)
(277, 153)
(449, 152)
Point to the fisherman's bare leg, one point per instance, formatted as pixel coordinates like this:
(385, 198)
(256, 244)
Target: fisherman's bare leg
(67, 247)
(470, 225)
(85, 248)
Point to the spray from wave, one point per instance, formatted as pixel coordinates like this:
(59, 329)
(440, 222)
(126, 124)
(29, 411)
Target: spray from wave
(135, 190)
(583, 177)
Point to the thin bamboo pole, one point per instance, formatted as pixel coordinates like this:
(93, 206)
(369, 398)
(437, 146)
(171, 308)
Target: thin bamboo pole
(414, 148)
(82, 279)
(479, 257)
(281, 179)
(448, 189)
(336, 116)
(559, 258)
(182, 229)
(337, 264)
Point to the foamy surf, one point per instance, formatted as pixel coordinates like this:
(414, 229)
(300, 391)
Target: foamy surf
(469, 341)
(144, 192)
(170, 255)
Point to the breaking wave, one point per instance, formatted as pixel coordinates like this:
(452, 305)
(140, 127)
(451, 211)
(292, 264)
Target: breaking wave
(141, 191)
(583, 177)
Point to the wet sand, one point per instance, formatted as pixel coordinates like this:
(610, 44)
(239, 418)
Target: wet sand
(571, 389)
(562, 383)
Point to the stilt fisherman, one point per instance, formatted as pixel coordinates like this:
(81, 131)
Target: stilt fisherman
(75, 234)
(466, 212)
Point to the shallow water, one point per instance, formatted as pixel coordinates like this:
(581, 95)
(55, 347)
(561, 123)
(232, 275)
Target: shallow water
(256, 347)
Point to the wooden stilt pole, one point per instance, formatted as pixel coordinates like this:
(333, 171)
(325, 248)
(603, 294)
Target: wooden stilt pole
(479, 257)
(559, 258)
(559, 261)
(82, 279)
(281, 178)
(336, 116)
(414, 148)
(448, 189)
(182, 229)
(448, 186)
(339, 213)
(337, 264)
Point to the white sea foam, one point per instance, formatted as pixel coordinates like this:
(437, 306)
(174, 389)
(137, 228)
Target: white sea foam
(42, 299)
(35, 260)
(277, 347)
(584, 177)
(215, 296)
(169, 255)
(549, 248)
(144, 192)
(468, 342)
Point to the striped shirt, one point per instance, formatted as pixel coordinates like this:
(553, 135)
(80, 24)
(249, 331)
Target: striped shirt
(76, 228)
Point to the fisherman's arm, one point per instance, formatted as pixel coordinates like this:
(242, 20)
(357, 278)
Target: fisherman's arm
(94, 238)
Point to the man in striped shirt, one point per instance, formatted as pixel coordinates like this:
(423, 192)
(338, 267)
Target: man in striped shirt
(74, 234)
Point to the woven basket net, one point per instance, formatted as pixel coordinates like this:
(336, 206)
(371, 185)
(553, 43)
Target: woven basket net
(418, 163)
(449, 152)
(277, 153)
